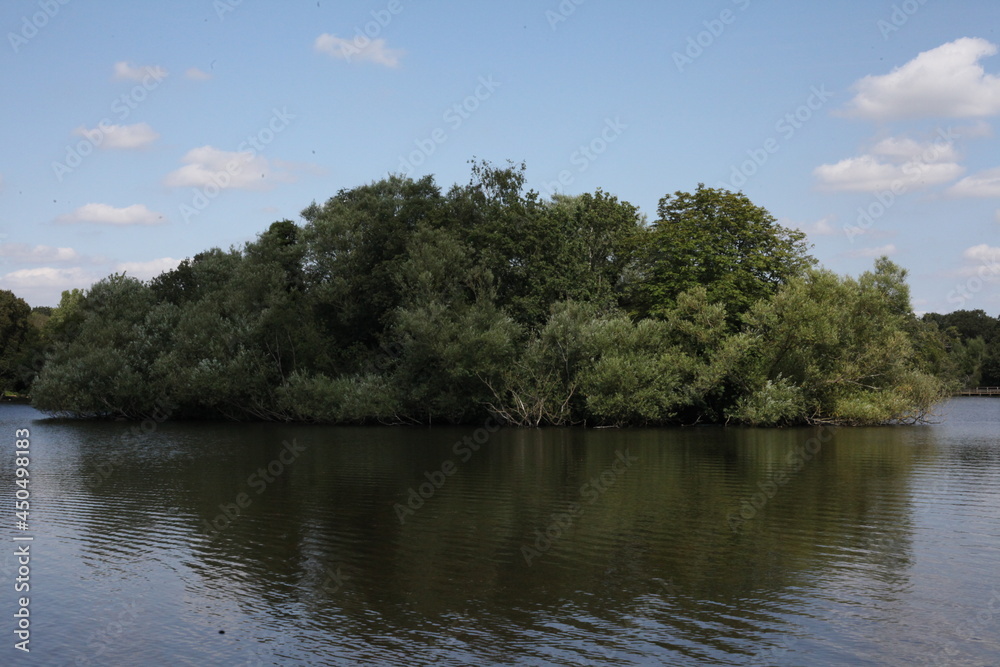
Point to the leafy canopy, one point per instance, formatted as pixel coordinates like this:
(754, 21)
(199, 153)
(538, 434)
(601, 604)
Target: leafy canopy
(722, 241)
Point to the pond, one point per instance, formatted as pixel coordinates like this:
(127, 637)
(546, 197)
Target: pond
(271, 544)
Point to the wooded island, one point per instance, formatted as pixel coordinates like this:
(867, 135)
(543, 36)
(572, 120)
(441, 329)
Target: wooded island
(398, 303)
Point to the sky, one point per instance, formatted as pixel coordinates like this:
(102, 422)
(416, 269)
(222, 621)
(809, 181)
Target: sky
(135, 135)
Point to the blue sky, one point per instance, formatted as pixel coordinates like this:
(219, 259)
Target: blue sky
(138, 134)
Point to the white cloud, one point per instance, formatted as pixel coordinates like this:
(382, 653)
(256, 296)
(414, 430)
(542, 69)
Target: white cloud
(867, 173)
(895, 163)
(981, 262)
(978, 130)
(25, 254)
(47, 277)
(119, 136)
(104, 214)
(822, 227)
(147, 270)
(358, 49)
(197, 74)
(984, 184)
(947, 81)
(982, 253)
(906, 149)
(210, 166)
(129, 72)
(42, 286)
(887, 250)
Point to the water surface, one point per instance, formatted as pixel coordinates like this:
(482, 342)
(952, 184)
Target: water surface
(313, 545)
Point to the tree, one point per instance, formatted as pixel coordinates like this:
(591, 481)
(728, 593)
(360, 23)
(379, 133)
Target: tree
(395, 304)
(542, 252)
(836, 350)
(968, 324)
(589, 365)
(104, 368)
(193, 279)
(991, 365)
(722, 241)
(353, 244)
(15, 329)
(280, 246)
(541, 384)
(599, 238)
(972, 341)
(449, 330)
(512, 237)
(67, 316)
(660, 370)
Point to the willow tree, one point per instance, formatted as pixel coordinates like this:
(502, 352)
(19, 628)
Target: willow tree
(832, 349)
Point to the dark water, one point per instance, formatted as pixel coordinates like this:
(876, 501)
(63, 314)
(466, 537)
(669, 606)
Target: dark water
(672, 546)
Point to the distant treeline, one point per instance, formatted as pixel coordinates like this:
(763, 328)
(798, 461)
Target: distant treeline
(973, 341)
(396, 302)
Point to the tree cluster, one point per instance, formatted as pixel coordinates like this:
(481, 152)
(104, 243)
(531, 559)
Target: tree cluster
(397, 302)
(972, 341)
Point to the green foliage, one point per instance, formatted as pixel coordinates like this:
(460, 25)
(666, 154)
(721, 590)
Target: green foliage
(598, 366)
(354, 399)
(102, 368)
(540, 385)
(637, 378)
(722, 241)
(971, 340)
(844, 344)
(353, 244)
(990, 367)
(578, 248)
(599, 236)
(15, 329)
(393, 303)
(774, 403)
(449, 331)
(968, 361)
(968, 324)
